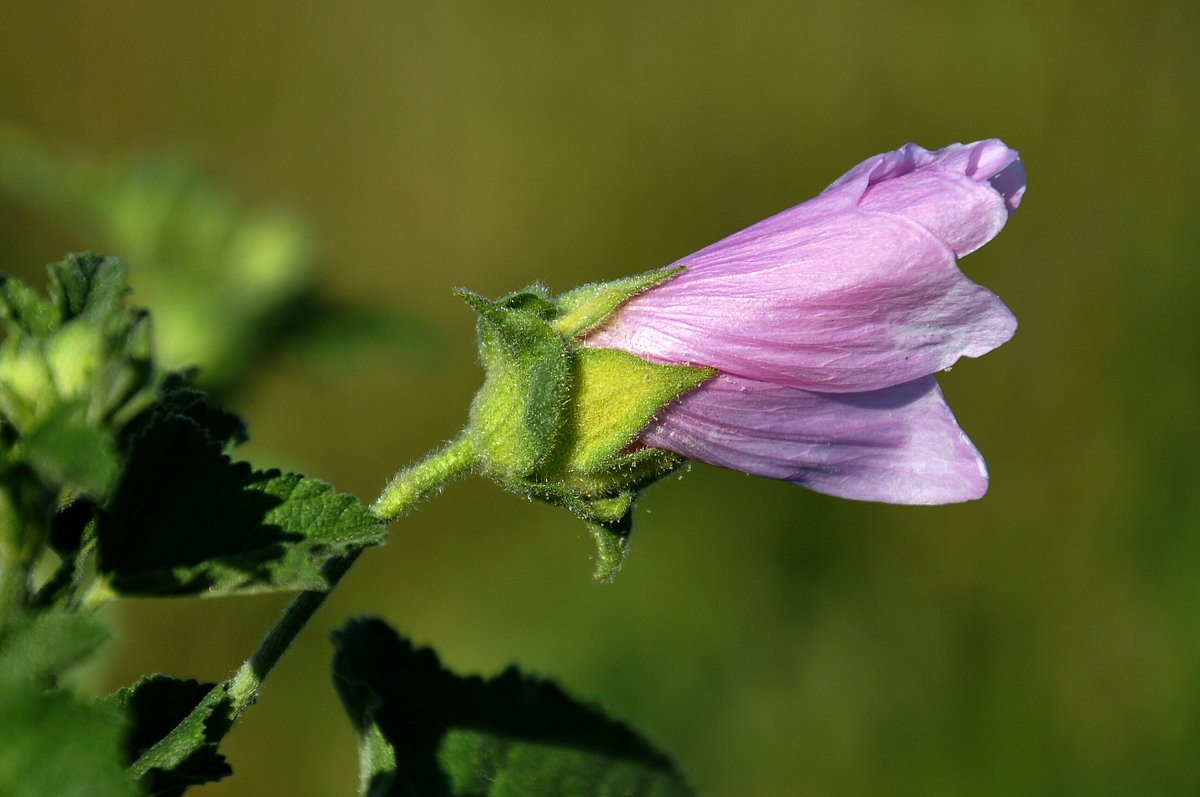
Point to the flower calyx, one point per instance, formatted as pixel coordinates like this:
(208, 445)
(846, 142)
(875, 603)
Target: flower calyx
(558, 421)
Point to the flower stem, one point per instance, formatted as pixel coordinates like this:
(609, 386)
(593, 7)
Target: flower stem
(243, 687)
(412, 484)
(405, 491)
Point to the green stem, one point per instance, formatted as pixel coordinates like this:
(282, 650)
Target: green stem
(412, 484)
(239, 692)
(244, 685)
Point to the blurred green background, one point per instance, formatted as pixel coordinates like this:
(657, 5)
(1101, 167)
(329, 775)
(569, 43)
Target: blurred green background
(1044, 640)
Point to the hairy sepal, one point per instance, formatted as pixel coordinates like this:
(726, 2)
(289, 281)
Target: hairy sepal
(558, 421)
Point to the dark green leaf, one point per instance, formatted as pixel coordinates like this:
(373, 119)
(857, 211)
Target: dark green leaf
(186, 519)
(510, 736)
(219, 425)
(69, 524)
(156, 706)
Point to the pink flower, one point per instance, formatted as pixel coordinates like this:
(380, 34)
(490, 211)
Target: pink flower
(826, 323)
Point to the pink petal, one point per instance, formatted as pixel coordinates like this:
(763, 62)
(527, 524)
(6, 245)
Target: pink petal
(899, 445)
(858, 302)
(990, 161)
(854, 290)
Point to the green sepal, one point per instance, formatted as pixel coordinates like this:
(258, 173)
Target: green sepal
(604, 501)
(516, 414)
(26, 386)
(555, 420)
(586, 307)
(612, 546)
(614, 395)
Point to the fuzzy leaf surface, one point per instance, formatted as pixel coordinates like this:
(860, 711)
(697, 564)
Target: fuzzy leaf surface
(185, 518)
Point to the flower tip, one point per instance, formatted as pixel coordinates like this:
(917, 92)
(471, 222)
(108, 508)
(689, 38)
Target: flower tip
(1009, 182)
(999, 165)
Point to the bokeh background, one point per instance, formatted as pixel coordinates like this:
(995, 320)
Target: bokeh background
(1044, 640)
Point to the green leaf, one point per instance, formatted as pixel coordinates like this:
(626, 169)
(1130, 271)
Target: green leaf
(64, 449)
(184, 518)
(53, 744)
(218, 424)
(156, 707)
(36, 648)
(56, 745)
(509, 736)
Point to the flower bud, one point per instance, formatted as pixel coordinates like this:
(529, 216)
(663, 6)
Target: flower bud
(554, 420)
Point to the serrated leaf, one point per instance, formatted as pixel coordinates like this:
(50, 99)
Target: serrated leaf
(184, 518)
(509, 736)
(179, 398)
(156, 707)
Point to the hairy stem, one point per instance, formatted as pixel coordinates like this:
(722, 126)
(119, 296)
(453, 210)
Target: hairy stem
(238, 693)
(412, 484)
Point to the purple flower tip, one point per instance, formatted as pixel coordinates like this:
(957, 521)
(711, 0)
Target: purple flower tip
(826, 323)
